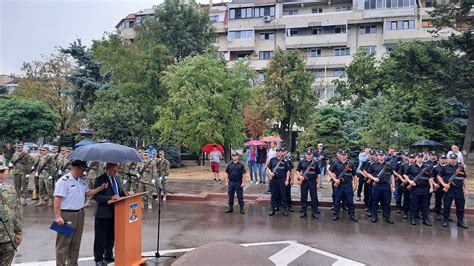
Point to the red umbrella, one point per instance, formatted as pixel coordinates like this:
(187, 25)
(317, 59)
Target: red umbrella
(272, 139)
(255, 142)
(210, 147)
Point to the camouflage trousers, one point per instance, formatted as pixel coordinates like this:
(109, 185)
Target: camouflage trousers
(46, 187)
(20, 182)
(132, 184)
(163, 185)
(6, 253)
(145, 186)
(90, 184)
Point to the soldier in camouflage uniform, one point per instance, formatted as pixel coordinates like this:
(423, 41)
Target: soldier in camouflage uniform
(131, 183)
(54, 173)
(147, 172)
(94, 169)
(164, 172)
(10, 214)
(21, 163)
(44, 173)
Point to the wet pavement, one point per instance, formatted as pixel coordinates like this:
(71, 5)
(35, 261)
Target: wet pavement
(305, 241)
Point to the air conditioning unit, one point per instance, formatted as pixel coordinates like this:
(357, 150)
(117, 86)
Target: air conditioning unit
(267, 18)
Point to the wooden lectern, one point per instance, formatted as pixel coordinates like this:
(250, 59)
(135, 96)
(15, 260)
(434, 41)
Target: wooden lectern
(128, 230)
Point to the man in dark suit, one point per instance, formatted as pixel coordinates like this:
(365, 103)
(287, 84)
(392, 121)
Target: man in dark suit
(104, 215)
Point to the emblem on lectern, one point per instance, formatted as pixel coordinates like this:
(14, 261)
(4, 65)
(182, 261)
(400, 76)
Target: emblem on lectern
(133, 212)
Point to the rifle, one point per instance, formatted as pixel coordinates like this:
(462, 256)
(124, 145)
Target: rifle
(310, 167)
(145, 167)
(451, 179)
(136, 178)
(379, 175)
(418, 177)
(340, 177)
(8, 233)
(20, 158)
(41, 168)
(276, 166)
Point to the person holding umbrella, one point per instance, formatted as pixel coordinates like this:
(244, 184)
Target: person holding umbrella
(251, 159)
(216, 157)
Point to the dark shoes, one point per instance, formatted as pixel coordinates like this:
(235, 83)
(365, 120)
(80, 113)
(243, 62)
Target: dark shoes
(315, 216)
(285, 213)
(335, 217)
(230, 210)
(354, 219)
(374, 219)
(389, 221)
(271, 213)
(109, 260)
(427, 222)
(405, 216)
(462, 224)
(303, 214)
(290, 209)
(242, 211)
(439, 217)
(413, 221)
(445, 223)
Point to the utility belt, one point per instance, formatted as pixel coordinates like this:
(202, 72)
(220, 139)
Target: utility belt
(148, 171)
(72, 210)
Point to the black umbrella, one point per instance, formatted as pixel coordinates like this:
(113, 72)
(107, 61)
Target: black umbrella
(427, 143)
(106, 152)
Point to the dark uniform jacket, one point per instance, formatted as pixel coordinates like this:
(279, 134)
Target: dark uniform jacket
(382, 171)
(282, 168)
(235, 171)
(103, 209)
(339, 167)
(313, 172)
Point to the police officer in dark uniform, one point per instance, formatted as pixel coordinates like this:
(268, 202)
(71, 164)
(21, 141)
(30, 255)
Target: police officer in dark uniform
(235, 181)
(279, 175)
(368, 183)
(331, 162)
(396, 166)
(421, 184)
(343, 173)
(308, 176)
(381, 174)
(404, 184)
(452, 178)
(438, 189)
(432, 161)
(291, 166)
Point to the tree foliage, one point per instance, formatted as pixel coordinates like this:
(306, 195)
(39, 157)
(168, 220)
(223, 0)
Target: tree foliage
(26, 120)
(286, 95)
(205, 102)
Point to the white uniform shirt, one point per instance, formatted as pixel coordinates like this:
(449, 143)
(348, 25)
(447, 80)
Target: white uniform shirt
(271, 154)
(72, 191)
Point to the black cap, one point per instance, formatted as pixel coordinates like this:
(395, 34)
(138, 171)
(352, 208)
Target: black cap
(278, 149)
(453, 156)
(443, 156)
(433, 153)
(308, 151)
(282, 149)
(78, 163)
(343, 152)
(419, 155)
(235, 153)
(381, 153)
(412, 155)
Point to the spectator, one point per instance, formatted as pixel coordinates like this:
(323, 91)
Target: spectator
(251, 159)
(321, 155)
(216, 157)
(8, 154)
(455, 150)
(150, 150)
(261, 163)
(271, 153)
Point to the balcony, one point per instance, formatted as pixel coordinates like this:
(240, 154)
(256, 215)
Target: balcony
(328, 61)
(128, 33)
(241, 45)
(220, 27)
(394, 36)
(255, 64)
(323, 40)
(389, 12)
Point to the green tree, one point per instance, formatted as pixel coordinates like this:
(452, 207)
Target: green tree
(45, 81)
(182, 29)
(25, 120)
(286, 95)
(87, 77)
(205, 102)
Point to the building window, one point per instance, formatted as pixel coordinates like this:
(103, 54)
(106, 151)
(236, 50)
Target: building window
(319, 73)
(389, 48)
(261, 77)
(267, 36)
(342, 51)
(264, 55)
(426, 24)
(265, 11)
(338, 72)
(367, 29)
(399, 3)
(340, 29)
(430, 3)
(370, 4)
(236, 35)
(369, 49)
(315, 52)
(317, 31)
(290, 12)
(343, 8)
(238, 13)
(292, 32)
(317, 10)
(214, 18)
(400, 25)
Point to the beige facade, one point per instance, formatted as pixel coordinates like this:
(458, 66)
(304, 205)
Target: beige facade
(327, 32)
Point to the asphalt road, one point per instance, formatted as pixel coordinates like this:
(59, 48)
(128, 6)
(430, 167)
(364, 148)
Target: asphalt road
(191, 224)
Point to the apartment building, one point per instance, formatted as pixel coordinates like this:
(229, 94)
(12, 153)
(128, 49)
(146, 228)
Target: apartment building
(327, 32)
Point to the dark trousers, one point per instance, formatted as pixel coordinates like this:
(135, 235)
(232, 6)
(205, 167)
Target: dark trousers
(288, 195)
(406, 199)
(419, 201)
(368, 195)
(278, 193)
(456, 194)
(309, 185)
(399, 197)
(360, 186)
(235, 187)
(104, 238)
(381, 193)
(439, 200)
(344, 193)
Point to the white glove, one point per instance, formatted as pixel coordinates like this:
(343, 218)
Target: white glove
(36, 174)
(32, 168)
(60, 172)
(50, 178)
(138, 175)
(27, 176)
(84, 173)
(124, 181)
(10, 165)
(153, 182)
(165, 177)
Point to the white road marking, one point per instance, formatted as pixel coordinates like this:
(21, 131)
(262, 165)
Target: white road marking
(283, 257)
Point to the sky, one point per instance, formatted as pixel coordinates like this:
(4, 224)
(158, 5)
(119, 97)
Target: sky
(31, 28)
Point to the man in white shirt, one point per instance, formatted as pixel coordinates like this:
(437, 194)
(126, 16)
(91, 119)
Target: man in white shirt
(70, 193)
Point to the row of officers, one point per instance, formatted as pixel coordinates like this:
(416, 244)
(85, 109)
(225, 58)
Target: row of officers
(414, 180)
(47, 167)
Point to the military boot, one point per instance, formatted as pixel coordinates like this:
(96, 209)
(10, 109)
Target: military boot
(40, 202)
(50, 203)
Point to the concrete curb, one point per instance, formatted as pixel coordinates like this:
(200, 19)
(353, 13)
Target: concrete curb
(264, 199)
